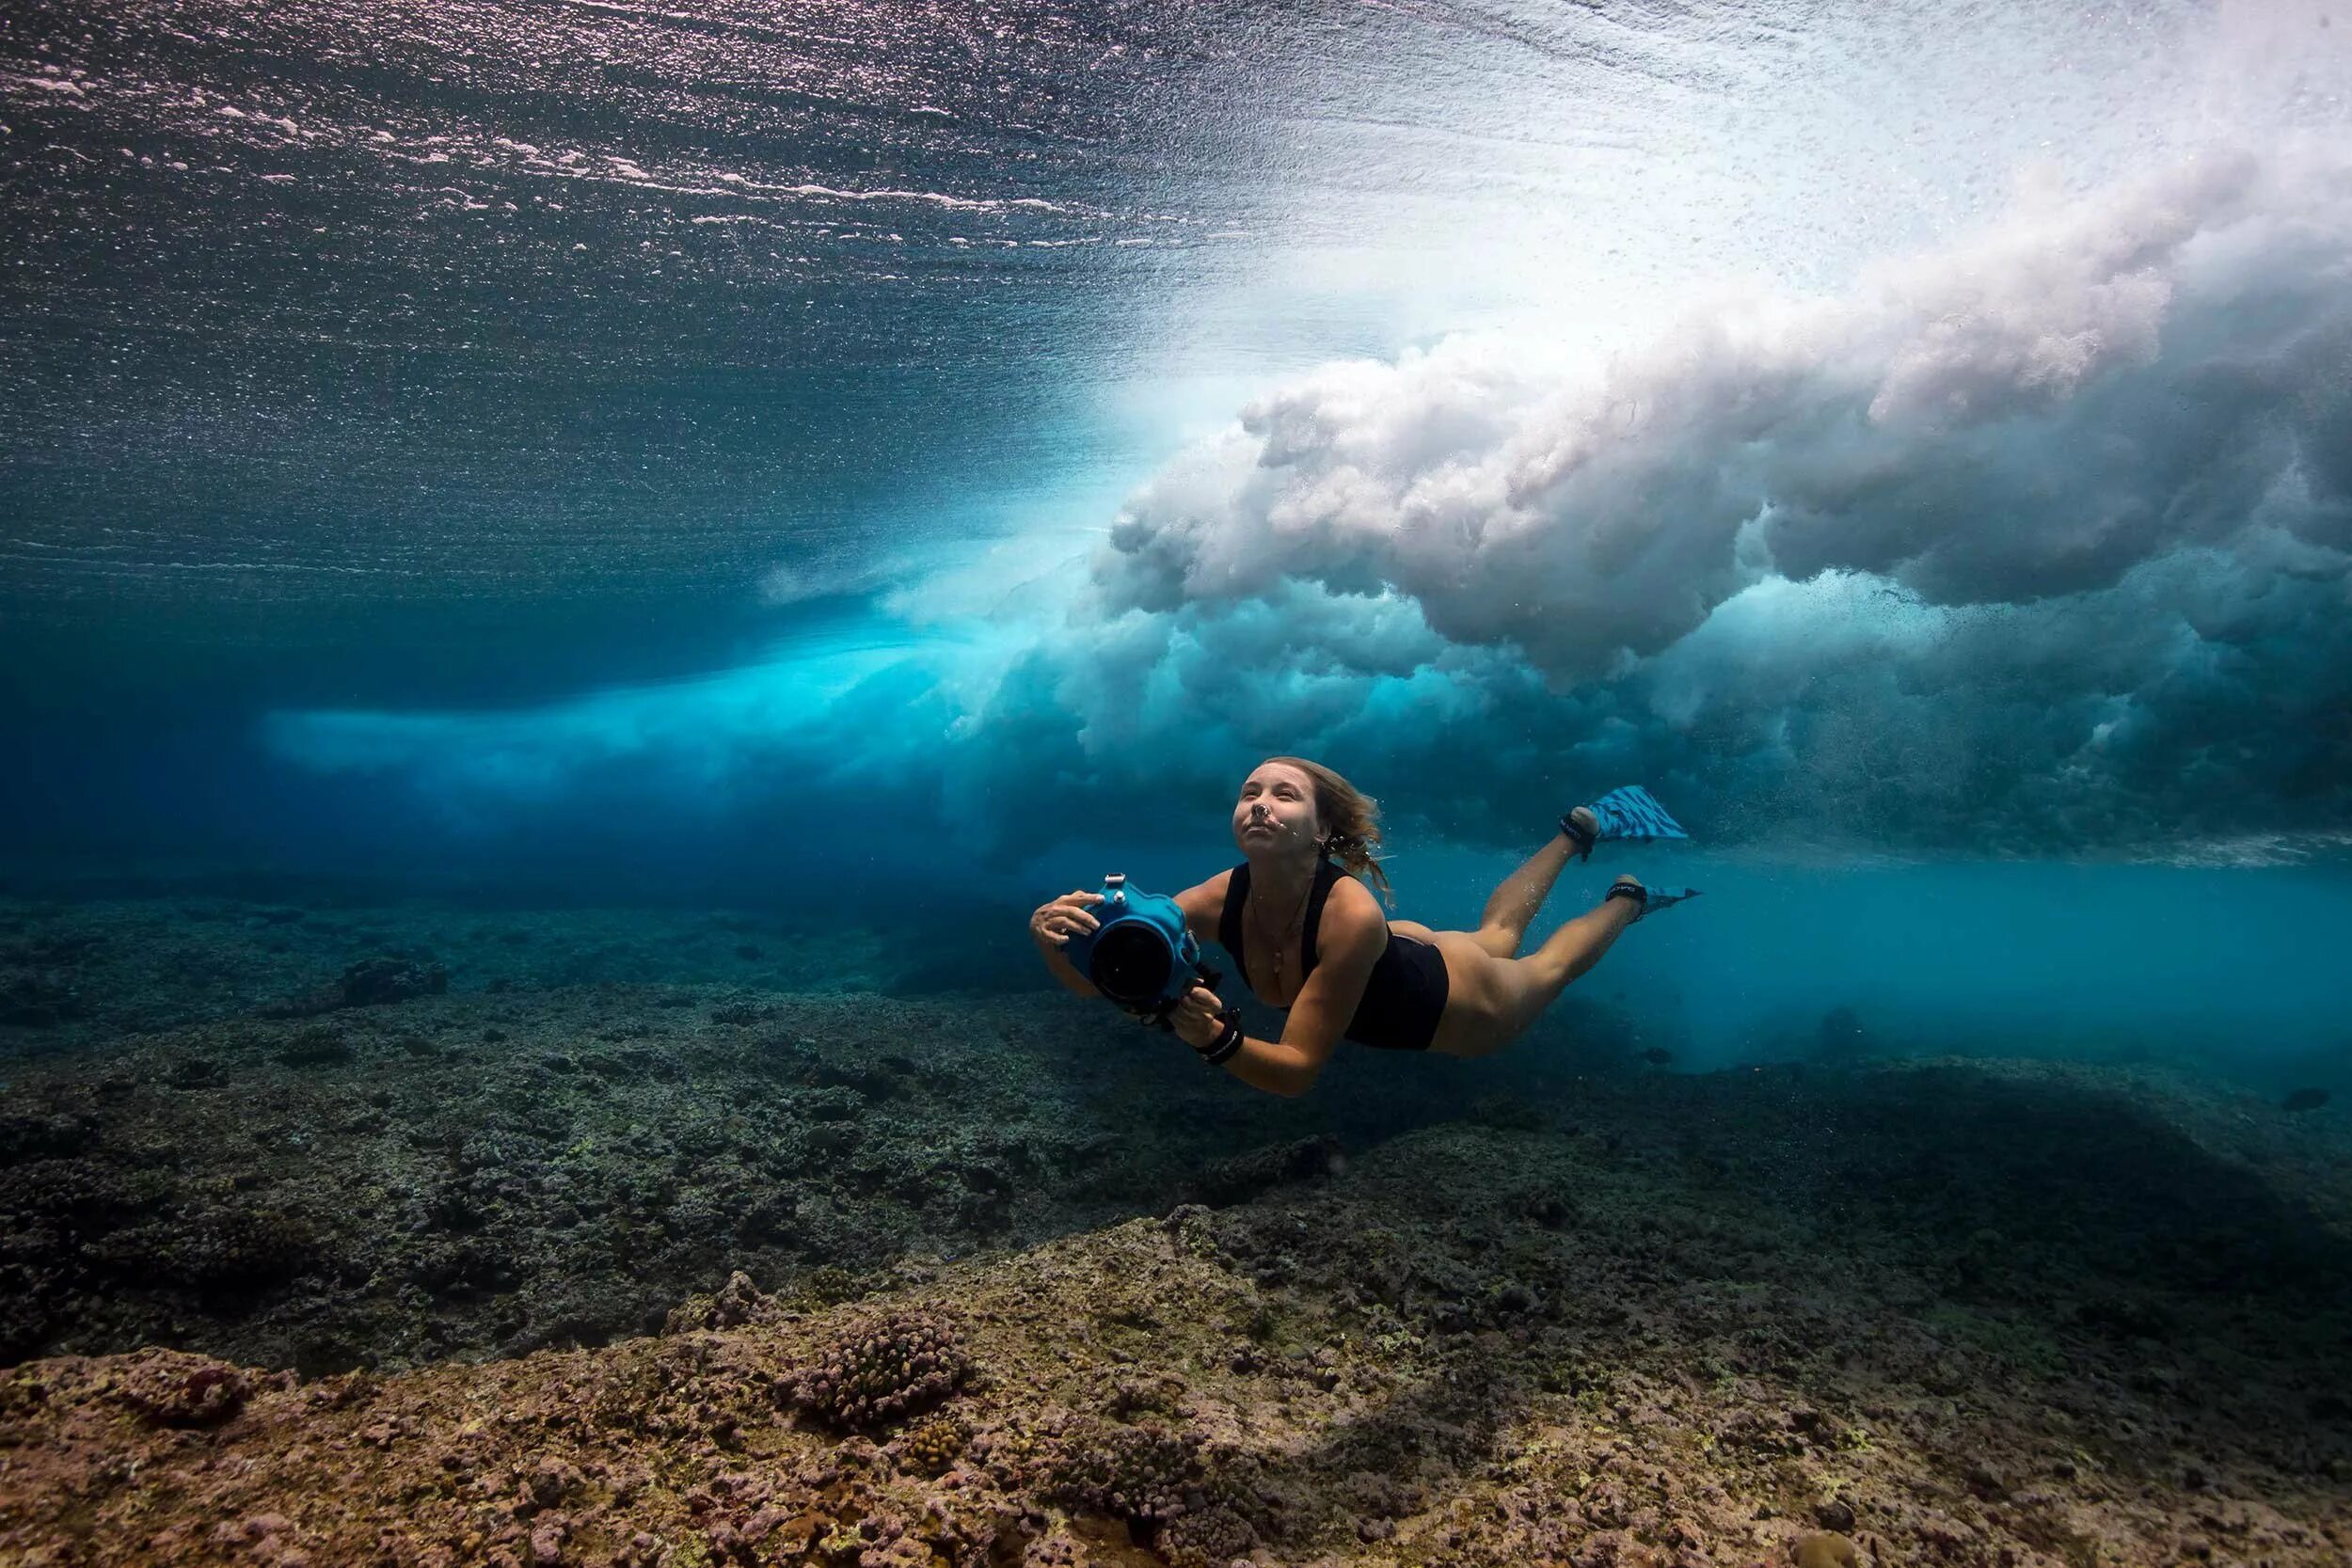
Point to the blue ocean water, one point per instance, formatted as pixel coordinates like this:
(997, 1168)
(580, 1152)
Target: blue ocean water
(906, 461)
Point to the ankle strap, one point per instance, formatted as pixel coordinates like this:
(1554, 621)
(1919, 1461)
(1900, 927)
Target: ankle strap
(1578, 836)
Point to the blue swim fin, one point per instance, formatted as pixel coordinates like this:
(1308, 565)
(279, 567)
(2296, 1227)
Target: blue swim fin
(1652, 899)
(1627, 813)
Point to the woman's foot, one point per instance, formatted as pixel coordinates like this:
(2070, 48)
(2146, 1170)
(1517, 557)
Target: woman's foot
(1581, 829)
(1647, 900)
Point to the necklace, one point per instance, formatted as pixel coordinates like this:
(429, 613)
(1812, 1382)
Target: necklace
(1297, 915)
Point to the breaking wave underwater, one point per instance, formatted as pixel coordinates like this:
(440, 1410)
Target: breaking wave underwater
(2011, 522)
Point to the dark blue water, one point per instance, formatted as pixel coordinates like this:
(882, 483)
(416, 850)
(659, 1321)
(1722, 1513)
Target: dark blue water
(913, 459)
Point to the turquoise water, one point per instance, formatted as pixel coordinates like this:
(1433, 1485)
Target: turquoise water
(909, 463)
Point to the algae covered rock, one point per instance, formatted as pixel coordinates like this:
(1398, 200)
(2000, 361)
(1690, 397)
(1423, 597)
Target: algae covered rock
(368, 983)
(172, 1388)
(736, 1302)
(373, 982)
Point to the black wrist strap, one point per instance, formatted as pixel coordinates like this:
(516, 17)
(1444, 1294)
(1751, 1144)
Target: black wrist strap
(1227, 1045)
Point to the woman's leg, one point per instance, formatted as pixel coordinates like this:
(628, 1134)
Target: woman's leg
(1509, 908)
(1496, 999)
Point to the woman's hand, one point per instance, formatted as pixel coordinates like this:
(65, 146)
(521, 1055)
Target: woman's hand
(1195, 1018)
(1055, 924)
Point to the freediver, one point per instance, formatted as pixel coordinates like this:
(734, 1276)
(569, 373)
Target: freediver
(1308, 936)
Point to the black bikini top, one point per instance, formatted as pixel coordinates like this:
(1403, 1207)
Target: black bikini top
(1405, 996)
(1228, 926)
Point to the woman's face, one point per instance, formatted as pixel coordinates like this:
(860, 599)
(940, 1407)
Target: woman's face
(1276, 812)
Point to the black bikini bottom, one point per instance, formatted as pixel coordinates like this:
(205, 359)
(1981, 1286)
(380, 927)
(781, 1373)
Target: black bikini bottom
(1404, 998)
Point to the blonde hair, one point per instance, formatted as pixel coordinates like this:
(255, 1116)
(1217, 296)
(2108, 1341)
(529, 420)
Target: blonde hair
(1351, 821)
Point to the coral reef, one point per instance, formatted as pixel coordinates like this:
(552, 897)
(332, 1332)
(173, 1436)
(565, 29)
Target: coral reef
(878, 1371)
(1210, 1536)
(1826, 1549)
(1143, 1474)
(1902, 1314)
(503, 1166)
(1411, 1362)
(935, 1446)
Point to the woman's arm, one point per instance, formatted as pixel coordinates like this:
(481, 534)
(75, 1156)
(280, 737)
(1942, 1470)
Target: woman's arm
(1066, 975)
(1204, 904)
(1348, 942)
(1052, 927)
(1278, 1067)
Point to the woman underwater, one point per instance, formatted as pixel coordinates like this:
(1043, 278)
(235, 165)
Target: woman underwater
(1308, 938)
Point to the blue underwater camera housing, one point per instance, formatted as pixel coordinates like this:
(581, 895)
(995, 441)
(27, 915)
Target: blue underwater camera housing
(1139, 956)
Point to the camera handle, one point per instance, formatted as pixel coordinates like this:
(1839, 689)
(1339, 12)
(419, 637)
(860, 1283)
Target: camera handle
(1204, 975)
